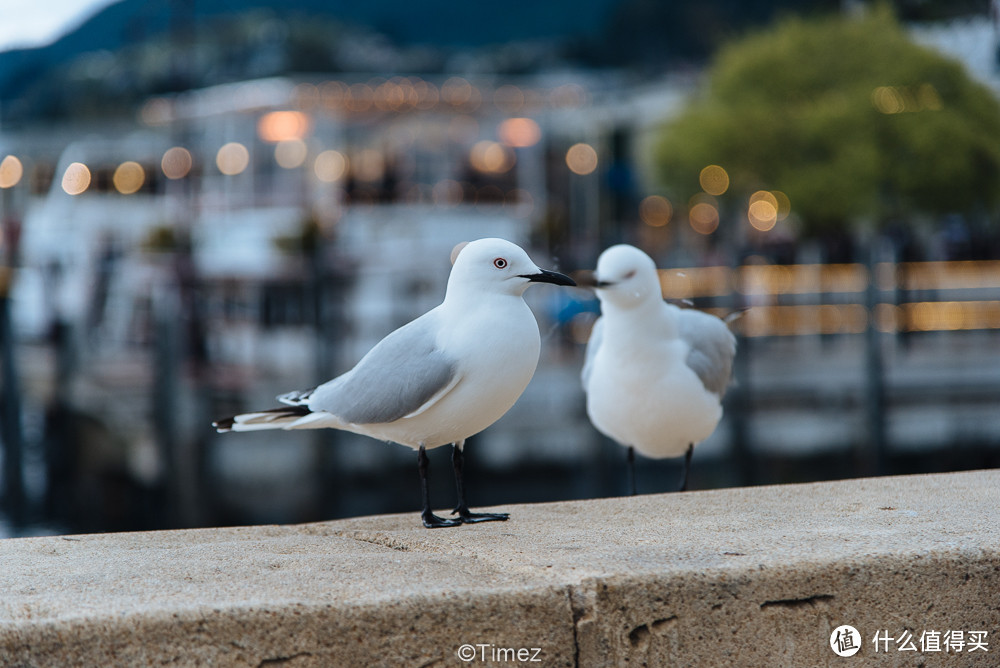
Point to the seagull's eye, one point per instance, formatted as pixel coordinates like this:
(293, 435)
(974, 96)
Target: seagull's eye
(630, 274)
(500, 263)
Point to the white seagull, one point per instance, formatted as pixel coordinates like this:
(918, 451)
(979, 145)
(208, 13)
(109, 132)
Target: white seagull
(654, 374)
(439, 379)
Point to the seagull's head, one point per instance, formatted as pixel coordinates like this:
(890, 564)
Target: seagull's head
(498, 266)
(625, 277)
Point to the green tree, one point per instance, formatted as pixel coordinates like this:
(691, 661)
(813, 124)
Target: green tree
(848, 117)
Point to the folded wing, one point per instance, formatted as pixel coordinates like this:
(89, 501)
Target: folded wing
(712, 348)
(402, 376)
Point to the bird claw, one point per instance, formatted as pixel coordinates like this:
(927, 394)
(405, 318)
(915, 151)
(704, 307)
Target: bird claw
(432, 521)
(471, 518)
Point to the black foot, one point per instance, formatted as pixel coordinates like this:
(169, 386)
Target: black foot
(462, 509)
(468, 517)
(432, 521)
(631, 469)
(687, 468)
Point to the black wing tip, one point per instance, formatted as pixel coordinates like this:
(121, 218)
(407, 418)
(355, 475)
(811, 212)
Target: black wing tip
(224, 424)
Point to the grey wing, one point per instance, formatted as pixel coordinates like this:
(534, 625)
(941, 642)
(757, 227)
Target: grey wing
(713, 348)
(596, 336)
(397, 377)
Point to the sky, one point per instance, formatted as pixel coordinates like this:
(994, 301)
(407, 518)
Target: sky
(38, 22)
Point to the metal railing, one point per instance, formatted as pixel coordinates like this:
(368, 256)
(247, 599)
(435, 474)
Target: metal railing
(803, 299)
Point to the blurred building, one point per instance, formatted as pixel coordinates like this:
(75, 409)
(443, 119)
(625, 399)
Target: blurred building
(245, 239)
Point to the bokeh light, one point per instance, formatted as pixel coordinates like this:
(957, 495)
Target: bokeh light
(176, 162)
(491, 156)
(290, 153)
(762, 210)
(459, 92)
(359, 97)
(76, 178)
(519, 132)
(508, 98)
(784, 204)
(888, 100)
(765, 196)
(447, 193)
(332, 95)
(129, 177)
(581, 159)
(279, 126)
(456, 91)
(714, 180)
(899, 99)
(11, 171)
(391, 96)
(762, 215)
(656, 211)
(232, 159)
(330, 166)
(704, 217)
(427, 95)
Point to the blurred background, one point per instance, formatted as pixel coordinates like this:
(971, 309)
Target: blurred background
(206, 203)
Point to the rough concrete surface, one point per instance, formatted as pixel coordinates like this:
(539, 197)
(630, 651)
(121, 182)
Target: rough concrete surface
(740, 577)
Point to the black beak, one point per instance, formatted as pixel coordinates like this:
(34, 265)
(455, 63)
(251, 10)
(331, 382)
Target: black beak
(588, 279)
(553, 277)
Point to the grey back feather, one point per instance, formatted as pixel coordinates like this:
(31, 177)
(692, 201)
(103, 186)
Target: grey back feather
(398, 376)
(713, 348)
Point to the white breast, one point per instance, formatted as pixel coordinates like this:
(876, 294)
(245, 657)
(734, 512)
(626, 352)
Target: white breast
(643, 394)
(495, 363)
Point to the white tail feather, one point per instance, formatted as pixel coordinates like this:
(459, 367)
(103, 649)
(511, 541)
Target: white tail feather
(274, 419)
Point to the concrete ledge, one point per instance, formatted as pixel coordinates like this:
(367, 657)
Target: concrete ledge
(740, 577)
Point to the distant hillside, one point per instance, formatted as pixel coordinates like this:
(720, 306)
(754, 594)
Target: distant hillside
(443, 23)
(329, 34)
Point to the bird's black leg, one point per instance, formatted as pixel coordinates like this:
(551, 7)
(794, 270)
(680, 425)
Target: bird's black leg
(431, 521)
(462, 509)
(631, 469)
(687, 467)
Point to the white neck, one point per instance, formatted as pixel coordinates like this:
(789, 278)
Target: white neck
(640, 319)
